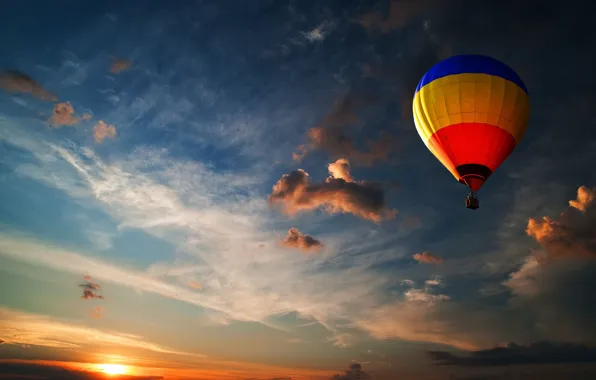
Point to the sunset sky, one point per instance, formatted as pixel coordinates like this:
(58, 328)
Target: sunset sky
(148, 227)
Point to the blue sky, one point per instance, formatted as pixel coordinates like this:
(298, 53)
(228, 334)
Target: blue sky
(170, 215)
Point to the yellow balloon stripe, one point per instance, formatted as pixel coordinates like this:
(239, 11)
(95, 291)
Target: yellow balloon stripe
(471, 98)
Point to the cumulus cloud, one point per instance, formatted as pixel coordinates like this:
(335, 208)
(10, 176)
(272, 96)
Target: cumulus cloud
(102, 130)
(64, 114)
(119, 65)
(427, 258)
(336, 195)
(341, 169)
(585, 197)
(296, 239)
(354, 372)
(514, 354)
(329, 135)
(572, 233)
(400, 13)
(17, 82)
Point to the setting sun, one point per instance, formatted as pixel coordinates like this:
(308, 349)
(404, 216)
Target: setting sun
(114, 369)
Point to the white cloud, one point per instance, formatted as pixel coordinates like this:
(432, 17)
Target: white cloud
(216, 221)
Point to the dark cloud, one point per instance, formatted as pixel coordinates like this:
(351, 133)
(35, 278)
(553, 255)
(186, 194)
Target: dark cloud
(295, 194)
(90, 289)
(330, 134)
(399, 14)
(296, 239)
(23, 370)
(513, 354)
(572, 233)
(354, 372)
(15, 81)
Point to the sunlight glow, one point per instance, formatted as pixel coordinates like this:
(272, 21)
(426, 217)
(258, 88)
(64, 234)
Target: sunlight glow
(114, 369)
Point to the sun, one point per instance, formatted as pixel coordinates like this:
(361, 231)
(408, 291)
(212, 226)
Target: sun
(113, 369)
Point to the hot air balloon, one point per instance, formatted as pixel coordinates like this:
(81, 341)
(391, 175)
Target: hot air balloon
(471, 111)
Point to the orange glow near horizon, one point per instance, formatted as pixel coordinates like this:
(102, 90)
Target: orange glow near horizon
(114, 369)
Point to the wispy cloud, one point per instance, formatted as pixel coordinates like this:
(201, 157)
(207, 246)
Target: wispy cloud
(329, 134)
(119, 65)
(400, 13)
(18, 82)
(90, 289)
(18, 327)
(427, 258)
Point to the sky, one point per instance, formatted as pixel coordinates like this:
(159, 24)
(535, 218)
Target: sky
(150, 226)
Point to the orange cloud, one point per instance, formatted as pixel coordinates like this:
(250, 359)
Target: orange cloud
(341, 169)
(571, 234)
(336, 195)
(102, 131)
(585, 197)
(195, 285)
(400, 13)
(427, 258)
(96, 312)
(296, 239)
(119, 65)
(64, 114)
(327, 135)
(15, 81)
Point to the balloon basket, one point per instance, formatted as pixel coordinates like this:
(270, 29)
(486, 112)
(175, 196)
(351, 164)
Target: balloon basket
(472, 202)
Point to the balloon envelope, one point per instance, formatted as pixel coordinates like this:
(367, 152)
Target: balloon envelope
(471, 111)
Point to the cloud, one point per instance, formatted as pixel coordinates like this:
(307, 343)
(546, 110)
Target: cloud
(354, 372)
(64, 114)
(572, 233)
(119, 65)
(328, 135)
(102, 131)
(319, 33)
(585, 197)
(19, 327)
(89, 294)
(341, 169)
(513, 354)
(195, 285)
(15, 81)
(96, 312)
(400, 13)
(296, 239)
(341, 340)
(417, 317)
(90, 288)
(32, 370)
(336, 195)
(427, 258)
